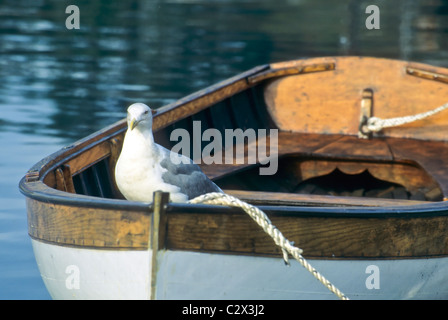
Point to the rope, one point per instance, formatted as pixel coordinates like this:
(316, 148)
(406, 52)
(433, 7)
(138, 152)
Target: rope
(375, 124)
(263, 221)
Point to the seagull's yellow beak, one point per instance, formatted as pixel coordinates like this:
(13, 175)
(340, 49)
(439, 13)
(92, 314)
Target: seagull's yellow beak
(133, 123)
(135, 119)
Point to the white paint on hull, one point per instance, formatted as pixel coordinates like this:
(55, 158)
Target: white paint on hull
(79, 273)
(108, 274)
(190, 275)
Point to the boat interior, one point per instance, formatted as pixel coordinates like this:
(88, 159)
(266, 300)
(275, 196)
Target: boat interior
(322, 158)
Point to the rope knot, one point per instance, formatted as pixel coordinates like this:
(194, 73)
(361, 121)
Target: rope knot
(374, 124)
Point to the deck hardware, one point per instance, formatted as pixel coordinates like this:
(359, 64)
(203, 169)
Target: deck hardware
(366, 113)
(32, 176)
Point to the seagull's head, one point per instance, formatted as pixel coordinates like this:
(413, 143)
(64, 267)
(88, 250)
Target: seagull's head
(139, 114)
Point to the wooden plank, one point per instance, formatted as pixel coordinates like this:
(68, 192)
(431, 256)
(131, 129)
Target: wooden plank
(294, 199)
(418, 172)
(351, 147)
(203, 99)
(64, 181)
(432, 156)
(319, 237)
(288, 143)
(291, 68)
(312, 145)
(89, 157)
(410, 176)
(329, 102)
(99, 149)
(115, 145)
(88, 226)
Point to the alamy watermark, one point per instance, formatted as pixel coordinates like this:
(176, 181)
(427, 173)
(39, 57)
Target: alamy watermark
(373, 280)
(373, 20)
(73, 20)
(234, 140)
(72, 282)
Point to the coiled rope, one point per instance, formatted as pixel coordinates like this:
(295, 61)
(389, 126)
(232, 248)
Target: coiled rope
(265, 223)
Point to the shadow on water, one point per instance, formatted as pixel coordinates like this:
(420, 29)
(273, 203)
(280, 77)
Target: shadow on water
(59, 85)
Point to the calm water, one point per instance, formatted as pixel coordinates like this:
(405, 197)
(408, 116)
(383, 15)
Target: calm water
(58, 85)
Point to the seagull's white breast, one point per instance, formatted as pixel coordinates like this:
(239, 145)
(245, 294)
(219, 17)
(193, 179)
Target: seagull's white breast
(138, 173)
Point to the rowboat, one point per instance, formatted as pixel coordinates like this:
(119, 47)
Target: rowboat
(365, 204)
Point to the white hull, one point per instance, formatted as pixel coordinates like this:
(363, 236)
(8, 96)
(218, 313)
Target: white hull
(78, 273)
(107, 274)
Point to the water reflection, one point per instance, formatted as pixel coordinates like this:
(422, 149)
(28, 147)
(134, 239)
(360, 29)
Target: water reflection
(59, 85)
(157, 51)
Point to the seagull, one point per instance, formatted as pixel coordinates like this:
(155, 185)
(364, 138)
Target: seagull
(144, 166)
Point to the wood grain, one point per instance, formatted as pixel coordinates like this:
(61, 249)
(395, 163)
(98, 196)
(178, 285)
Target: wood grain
(296, 199)
(323, 237)
(415, 164)
(88, 227)
(330, 102)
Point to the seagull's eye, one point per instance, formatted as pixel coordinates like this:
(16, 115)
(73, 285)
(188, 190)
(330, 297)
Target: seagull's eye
(146, 112)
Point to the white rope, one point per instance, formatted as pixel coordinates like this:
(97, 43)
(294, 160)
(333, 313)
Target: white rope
(262, 220)
(375, 124)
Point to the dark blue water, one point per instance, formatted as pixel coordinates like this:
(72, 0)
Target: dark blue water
(58, 85)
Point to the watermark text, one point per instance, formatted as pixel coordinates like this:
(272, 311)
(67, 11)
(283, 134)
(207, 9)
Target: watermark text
(234, 147)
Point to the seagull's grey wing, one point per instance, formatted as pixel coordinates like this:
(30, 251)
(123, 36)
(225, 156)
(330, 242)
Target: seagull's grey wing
(188, 177)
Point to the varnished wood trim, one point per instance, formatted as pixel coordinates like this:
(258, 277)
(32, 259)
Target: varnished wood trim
(294, 199)
(88, 227)
(319, 237)
(310, 102)
(89, 157)
(201, 102)
(427, 74)
(393, 160)
(115, 150)
(280, 70)
(64, 181)
(202, 99)
(411, 177)
(79, 156)
(226, 230)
